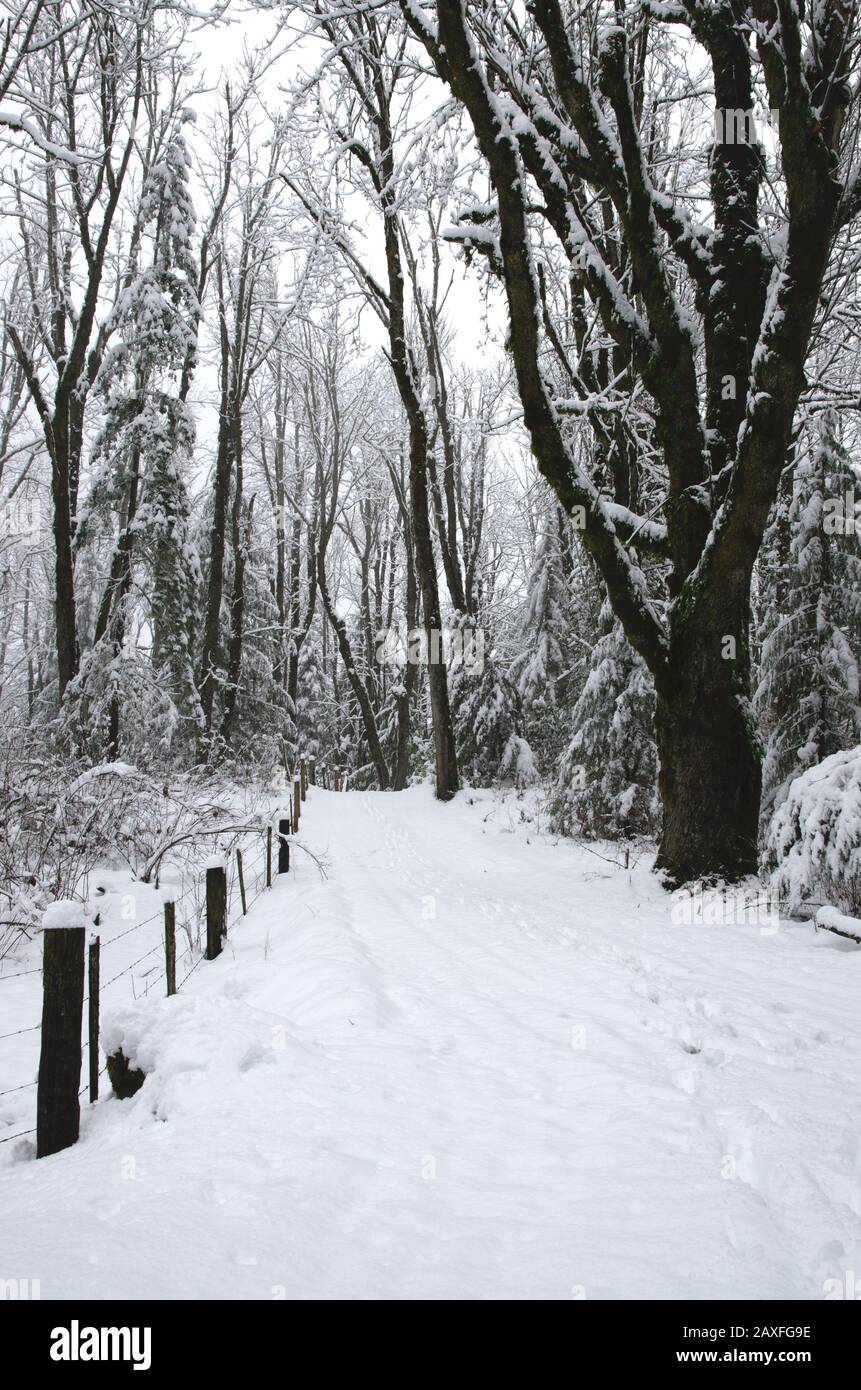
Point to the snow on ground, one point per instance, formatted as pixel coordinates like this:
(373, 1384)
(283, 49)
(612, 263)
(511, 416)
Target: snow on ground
(470, 1062)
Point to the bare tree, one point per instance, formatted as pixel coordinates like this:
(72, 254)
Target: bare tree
(367, 103)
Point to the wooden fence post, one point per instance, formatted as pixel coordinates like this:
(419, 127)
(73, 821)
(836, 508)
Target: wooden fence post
(58, 1107)
(216, 910)
(93, 1018)
(241, 880)
(303, 778)
(269, 856)
(297, 797)
(312, 772)
(283, 846)
(170, 946)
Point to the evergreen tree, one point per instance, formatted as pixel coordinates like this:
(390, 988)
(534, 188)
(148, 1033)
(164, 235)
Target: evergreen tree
(145, 450)
(537, 670)
(313, 731)
(488, 718)
(560, 617)
(809, 694)
(606, 784)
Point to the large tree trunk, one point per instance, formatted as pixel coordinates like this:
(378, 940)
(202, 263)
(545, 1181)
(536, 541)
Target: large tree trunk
(710, 773)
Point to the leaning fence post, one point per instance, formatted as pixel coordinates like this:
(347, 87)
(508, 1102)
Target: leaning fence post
(58, 1108)
(303, 779)
(283, 846)
(269, 856)
(170, 946)
(93, 1018)
(297, 797)
(216, 908)
(241, 880)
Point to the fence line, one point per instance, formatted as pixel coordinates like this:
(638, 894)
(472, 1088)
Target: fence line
(258, 871)
(12, 1089)
(21, 1135)
(18, 1031)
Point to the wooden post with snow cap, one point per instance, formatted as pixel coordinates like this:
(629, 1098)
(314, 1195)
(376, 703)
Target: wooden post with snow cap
(93, 1017)
(297, 800)
(216, 906)
(241, 876)
(312, 771)
(303, 778)
(58, 1107)
(170, 945)
(283, 845)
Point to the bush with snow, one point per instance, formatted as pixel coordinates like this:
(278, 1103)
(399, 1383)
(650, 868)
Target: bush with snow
(62, 820)
(813, 847)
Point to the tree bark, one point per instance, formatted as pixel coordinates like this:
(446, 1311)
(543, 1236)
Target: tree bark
(357, 686)
(709, 753)
(221, 491)
(445, 756)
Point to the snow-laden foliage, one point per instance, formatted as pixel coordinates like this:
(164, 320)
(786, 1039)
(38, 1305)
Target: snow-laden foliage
(813, 847)
(538, 669)
(144, 453)
(488, 719)
(64, 818)
(313, 723)
(606, 783)
(251, 375)
(809, 693)
(561, 609)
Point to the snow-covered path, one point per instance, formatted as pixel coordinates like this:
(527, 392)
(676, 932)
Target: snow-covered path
(475, 1063)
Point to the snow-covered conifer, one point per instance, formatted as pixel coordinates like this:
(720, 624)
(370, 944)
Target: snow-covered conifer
(606, 783)
(809, 692)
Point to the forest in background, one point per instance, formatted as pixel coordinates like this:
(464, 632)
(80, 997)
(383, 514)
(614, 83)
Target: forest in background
(435, 396)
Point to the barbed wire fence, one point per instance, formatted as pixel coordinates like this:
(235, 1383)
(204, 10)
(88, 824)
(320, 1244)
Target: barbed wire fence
(244, 883)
